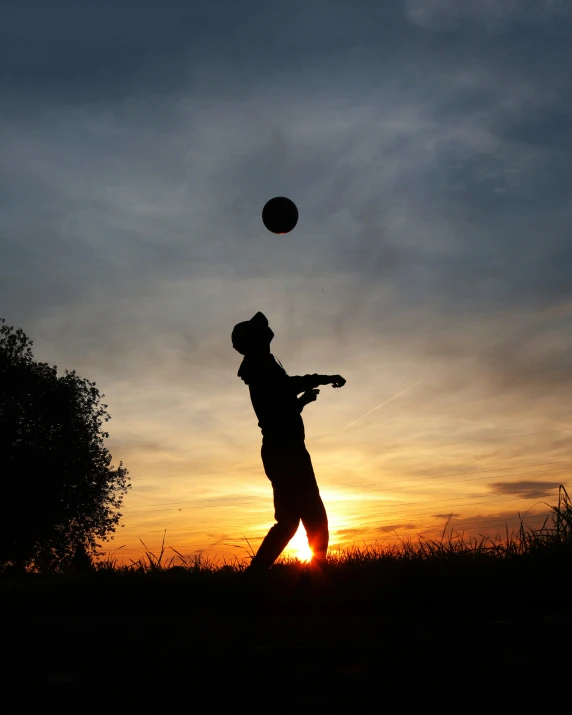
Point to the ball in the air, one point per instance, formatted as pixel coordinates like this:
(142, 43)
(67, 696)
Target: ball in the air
(280, 215)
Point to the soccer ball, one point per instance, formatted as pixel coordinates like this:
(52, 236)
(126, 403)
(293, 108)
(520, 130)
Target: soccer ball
(280, 215)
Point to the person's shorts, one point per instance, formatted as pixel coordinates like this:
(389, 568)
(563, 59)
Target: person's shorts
(288, 465)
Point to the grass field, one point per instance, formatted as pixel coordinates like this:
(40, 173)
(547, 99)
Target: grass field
(451, 622)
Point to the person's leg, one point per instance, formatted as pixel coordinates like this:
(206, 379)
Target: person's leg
(296, 496)
(313, 512)
(287, 521)
(315, 522)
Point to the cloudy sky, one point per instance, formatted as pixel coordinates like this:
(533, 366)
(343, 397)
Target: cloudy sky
(426, 144)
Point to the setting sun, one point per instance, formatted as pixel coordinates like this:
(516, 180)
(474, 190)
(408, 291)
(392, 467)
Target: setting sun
(298, 546)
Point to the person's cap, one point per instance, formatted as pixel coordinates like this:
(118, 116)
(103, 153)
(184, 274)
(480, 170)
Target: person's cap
(249, 331)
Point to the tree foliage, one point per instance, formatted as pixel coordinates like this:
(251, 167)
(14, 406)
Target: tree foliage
(58, 487)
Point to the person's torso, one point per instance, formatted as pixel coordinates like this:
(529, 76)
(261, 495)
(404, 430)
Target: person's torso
(275, 404)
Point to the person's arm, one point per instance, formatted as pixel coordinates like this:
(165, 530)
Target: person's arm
(303, 383)
(307, 397)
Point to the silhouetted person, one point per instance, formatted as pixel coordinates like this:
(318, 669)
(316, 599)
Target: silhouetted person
(286, 460)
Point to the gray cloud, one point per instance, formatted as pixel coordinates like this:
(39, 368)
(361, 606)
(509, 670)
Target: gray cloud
(350, 532)
(447, 15)
(416, 162)
(430, 170)
(217, 539)
(526, 489)
(496, 524)
(384, 529)
(91, 50)
(396, 527)
(536, 362)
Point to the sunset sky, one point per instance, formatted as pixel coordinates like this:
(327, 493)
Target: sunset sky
(427, 146)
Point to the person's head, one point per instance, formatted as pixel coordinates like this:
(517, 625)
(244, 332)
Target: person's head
(252, 337)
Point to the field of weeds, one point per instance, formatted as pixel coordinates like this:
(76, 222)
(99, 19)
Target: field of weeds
(403, 626)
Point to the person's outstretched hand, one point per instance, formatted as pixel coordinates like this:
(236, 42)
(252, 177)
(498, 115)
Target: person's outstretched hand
(337, 381)
(310, 396)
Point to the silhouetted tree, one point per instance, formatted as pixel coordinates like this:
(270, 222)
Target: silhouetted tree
(57, 487)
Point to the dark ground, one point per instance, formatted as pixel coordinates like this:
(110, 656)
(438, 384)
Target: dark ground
(211, 643)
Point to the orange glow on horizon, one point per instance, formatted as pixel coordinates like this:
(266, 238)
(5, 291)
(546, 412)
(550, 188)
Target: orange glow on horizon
(299, 547)
(376, 498)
